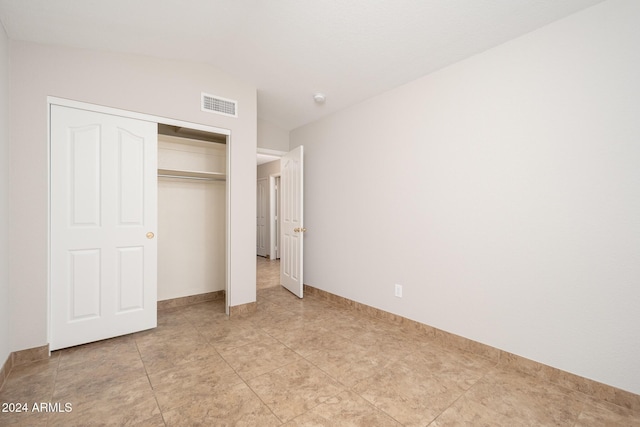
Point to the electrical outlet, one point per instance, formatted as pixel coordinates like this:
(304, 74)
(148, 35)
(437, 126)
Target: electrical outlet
(398, 290)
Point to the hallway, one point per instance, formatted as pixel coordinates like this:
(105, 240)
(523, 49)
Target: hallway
(267, 272)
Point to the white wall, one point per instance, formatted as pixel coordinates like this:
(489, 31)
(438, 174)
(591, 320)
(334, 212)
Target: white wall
(502, 192)
(136, 83)
(272, 137)
(5, 346)
(191, 250)
(265, 170)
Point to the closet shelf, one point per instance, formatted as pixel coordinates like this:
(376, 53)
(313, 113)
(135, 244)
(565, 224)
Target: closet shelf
(175, 173)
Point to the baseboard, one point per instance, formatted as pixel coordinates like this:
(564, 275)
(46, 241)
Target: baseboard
(190, 300)
(20, 358)
(502, 358)
(243, 308)
(30, 355)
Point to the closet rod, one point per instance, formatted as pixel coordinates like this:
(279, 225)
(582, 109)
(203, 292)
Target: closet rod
(190, 177)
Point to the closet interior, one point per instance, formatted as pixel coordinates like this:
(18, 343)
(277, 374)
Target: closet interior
(191, 212)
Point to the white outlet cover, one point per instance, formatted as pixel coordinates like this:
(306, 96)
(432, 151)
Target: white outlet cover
(398, 290)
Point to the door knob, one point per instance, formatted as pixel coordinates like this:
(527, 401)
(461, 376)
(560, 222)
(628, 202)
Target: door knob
(150, 235)
(299, 229)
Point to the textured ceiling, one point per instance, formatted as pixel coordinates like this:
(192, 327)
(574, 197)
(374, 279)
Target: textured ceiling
(348, 49)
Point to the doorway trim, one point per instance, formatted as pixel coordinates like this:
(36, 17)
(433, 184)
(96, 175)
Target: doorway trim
(274, 227)
(52, 100)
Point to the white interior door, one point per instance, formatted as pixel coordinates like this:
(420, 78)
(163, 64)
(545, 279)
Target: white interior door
(292, 227)
(103, 224)
(262, 217)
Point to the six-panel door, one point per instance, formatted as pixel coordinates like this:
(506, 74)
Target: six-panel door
(103, 226)
(291, 257)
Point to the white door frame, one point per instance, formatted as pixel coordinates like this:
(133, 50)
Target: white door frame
(262, 203)
(51, 100)
(274, 232)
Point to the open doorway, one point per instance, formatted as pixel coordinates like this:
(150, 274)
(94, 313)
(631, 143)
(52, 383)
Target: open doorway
(267, 223)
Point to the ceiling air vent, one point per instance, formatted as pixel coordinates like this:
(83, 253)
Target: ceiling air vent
(219, 105)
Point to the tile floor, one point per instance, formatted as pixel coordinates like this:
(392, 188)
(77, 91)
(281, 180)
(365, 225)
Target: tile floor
(293, 362)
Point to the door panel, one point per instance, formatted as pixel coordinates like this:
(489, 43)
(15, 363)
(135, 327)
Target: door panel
(103, 204)
(291, 255)
(84, 284)
(84, 149)
(130, 279)
(130, 178)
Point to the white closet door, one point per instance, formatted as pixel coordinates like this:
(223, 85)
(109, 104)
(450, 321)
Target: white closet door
(103, 224)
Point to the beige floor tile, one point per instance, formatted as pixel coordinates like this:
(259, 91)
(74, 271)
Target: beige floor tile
(294, 389)
(27, 419)
(231, 334)
(205, 313)
(259, 357)
(125, 365)
(308, 339)
(463, 369)
(465, 412)
(187, 383)
(235, 405)
(344, 325)
(32, 382)
(168, 355)
(521, 397)
(268, 273)
(345, 409)
(276, 317)
(155, 421)
(167, 334)
(116, 403)
(98, 352)
(392, 347)
(413, 397)
(349, 363)
(597, 413)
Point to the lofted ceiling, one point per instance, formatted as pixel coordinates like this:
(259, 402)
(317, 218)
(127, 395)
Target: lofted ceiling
(349, 50)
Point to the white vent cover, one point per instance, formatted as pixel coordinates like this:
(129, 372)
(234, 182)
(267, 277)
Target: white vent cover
(219, 105)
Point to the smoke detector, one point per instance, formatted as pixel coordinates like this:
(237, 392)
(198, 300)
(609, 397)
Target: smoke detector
(319, 98)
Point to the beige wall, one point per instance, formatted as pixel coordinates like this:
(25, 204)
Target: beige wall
(272, 137)
(5, 346)
(267, 169)
(502, 192)
(143, 84)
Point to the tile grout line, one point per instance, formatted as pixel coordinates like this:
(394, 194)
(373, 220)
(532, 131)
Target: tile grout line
(292, 362)
(346, 388)
(55, 383)
(208, 341)
(153, 390)
(463, 394)
(247, 384)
